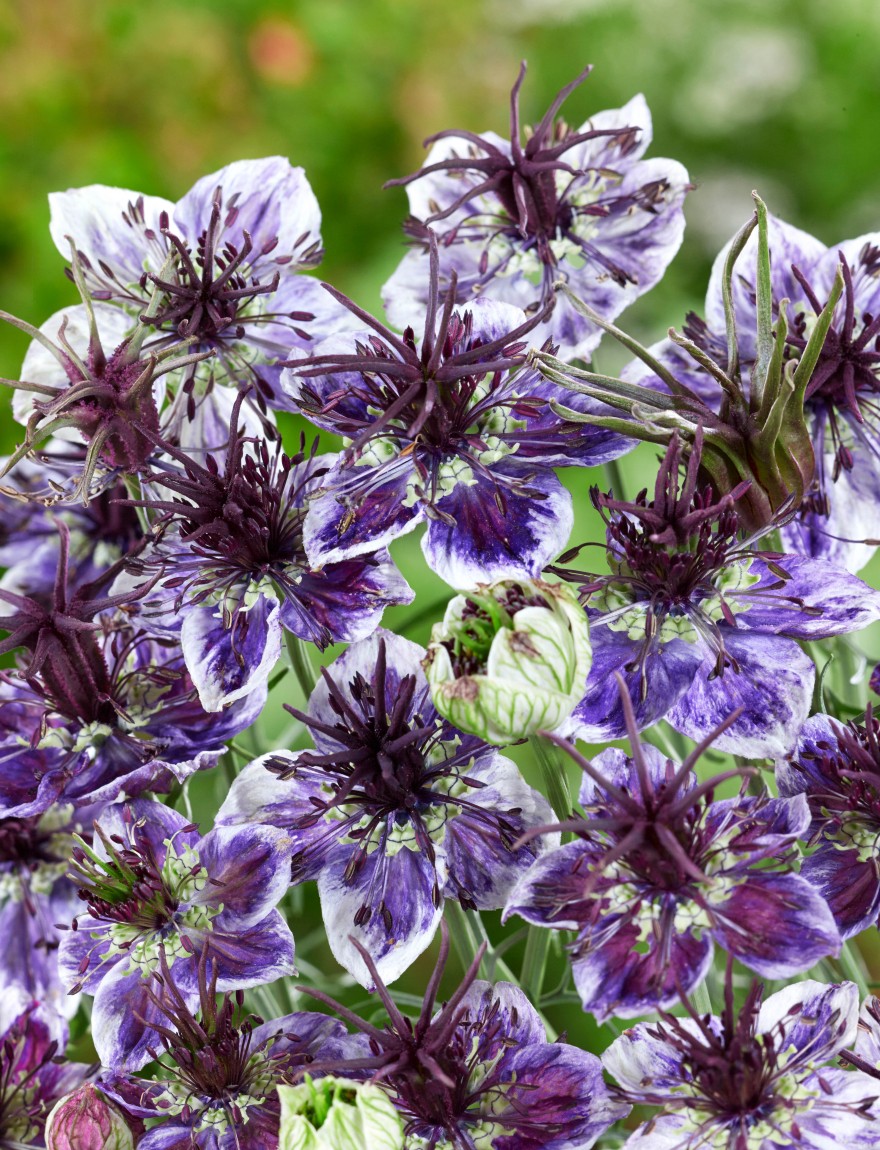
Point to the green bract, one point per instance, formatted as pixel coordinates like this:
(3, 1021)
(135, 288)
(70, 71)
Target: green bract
(509, 659)
(337, 1114)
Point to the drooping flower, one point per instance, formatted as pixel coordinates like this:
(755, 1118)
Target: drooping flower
(97, 706)
(453, 431)
(33, 1072)
(219, 1068)
(660, 871)
(840, 513)
(509, 659)
(153, 887)
(233, 574)
(701, 622)
(394, 811)
(513, 217)
(224, 260)
(836, 767)
(757, 1079)
(479, 1070)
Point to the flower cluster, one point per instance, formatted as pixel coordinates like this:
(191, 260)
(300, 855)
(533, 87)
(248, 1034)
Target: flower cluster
(174, 569)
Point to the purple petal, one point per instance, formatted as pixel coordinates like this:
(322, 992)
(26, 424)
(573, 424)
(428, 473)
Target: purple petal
(849, 885)
(249, 869)
(817, 601)
(250, 957)
(225, 664)
(816, 1019)
(488, 543)
(774, 687)
(122, 1018)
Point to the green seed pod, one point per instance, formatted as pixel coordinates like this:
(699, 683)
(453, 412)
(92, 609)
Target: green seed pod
(337, 1114)
(509, 659)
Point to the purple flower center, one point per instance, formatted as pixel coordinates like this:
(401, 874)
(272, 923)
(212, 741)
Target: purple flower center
(25, 845)
(847, 797)
(535, 208)
(389, 769)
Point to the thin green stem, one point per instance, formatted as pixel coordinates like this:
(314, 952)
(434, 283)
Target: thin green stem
(298, 650)
(554, 776)
(614, 475)
(133, 487)
(853, 966)
(535, 961)
(702, 1003)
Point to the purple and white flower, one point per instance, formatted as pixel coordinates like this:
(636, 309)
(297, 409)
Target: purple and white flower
(840, 516)
(33, 1072)
(836, 767)
(701, 622)
(455, 431)
(224, 264)
(219, 1068)
(759, 1079)
(479, 1070)
(232, 573)
(154, 887)
(512, 218)
(97, 707)
(660, 871)
(393, 812)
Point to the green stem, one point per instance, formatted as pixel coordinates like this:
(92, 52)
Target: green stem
(554, 776)
(853, 966)
(702, 1003)
(535, 961)
(133, 487)
(614, 475)
(298, 650)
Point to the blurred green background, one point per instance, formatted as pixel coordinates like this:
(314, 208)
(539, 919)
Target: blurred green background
(779, 95)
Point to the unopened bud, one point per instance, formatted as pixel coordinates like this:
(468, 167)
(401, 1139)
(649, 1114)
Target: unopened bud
(86, 1120)
(509, 659)
(337, 1114)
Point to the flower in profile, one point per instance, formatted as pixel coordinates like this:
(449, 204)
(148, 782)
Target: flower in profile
(394, 810)
(218, 1068)
(700, 621)
(512, 217)
(453, 430)
(96, 706)
(86, 1120)
(224, 263)
(33, 1072)
(839, 515)
(88, 375)
(754, 1078)
(836, 767)
(155, 891)
(338, 1114)
(660, 871)
(231, 574)
(479, 1070)
(509, 659)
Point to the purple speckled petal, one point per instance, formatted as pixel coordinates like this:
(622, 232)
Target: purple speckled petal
(487, 543)
(122, 1015)
(249, 869)
(249, 957)
(848, 884)
(225, 664)
(774, 686)
(817, 600)
(816, 1019)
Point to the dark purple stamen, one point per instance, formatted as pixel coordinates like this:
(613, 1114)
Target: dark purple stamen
(387, 770)
(533, 208)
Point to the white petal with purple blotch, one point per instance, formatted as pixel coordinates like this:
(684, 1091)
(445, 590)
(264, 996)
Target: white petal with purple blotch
(249, 872)
(227, 665)
(817, 600)
(813, 1018)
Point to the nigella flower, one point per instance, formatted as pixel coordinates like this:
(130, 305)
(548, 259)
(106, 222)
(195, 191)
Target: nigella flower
(512, 218)
(225, 260)
(96, 706)
(701, 622)
(87, 375)
(152, 886)
(758, 1079)
(659, 872)
(234, 575)
(836, 767)
(455, 431)
(479, 1070)
(840, 514)
(33, 1073)
(394, 811)
(218, 1068)
(35, 894)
